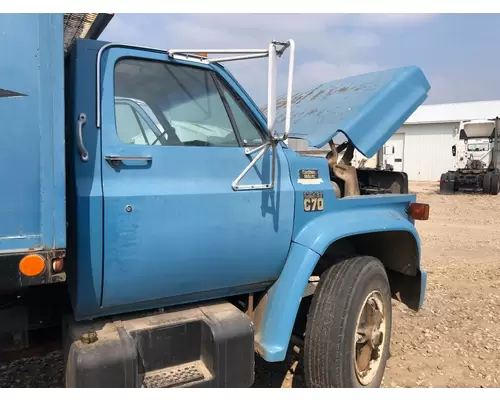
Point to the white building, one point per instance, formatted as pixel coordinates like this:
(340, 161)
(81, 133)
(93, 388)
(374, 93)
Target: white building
(422, 146)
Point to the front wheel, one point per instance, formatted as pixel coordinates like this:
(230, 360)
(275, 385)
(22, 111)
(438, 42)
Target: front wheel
(349, 326)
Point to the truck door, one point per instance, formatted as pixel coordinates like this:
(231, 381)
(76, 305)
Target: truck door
(396, 158)
(173, 137)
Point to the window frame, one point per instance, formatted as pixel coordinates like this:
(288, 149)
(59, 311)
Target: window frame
(138, 118)
(244, 108)
(219, 82)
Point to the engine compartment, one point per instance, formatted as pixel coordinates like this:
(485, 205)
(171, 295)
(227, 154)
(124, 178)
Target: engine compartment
(348, 180)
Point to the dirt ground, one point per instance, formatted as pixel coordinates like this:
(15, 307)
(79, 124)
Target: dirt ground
(454, 341)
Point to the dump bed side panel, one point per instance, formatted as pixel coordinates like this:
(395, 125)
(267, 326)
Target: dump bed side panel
(32, 173)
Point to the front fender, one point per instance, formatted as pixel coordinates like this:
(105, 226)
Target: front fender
(276, 313)
(319, 233)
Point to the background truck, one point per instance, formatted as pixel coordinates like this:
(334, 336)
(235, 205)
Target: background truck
(156, 218)
(476, 159)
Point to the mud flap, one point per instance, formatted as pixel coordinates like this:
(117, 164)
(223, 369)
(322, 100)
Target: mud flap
(446, 184)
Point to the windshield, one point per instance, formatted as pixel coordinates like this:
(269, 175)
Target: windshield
(478, 147)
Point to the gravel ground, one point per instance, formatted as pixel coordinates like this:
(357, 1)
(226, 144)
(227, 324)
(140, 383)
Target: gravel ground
(454, 341)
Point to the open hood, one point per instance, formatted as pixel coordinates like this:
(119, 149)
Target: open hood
(367, 108)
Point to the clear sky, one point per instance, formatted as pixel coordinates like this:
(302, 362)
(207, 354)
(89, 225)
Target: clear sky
(459, 53)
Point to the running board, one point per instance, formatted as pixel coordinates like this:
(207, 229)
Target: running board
(178, 376)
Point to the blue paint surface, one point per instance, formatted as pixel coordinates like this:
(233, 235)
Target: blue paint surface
(283, 302)
(85, 231)
(313, 233)
(32, 165)
(367, 108)
(346, 216)
(189, 235)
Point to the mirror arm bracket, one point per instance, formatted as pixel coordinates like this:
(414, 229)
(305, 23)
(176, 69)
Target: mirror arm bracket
(273, 141)
(271, 144)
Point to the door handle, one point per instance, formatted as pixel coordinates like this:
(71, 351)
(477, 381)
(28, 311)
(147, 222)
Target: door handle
(115, 160)
(84, 154)
(128, 158)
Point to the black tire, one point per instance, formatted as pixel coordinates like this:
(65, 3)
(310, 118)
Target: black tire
(487, 183)
(333, 319)
(447, 188)
(495, 184)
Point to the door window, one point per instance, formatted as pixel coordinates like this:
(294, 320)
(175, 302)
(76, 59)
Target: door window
(249, 133)
(134, 124)
(157, 103)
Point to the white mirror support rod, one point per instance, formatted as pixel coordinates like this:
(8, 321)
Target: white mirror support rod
(271, 88)
(289, 91)
(196, 55)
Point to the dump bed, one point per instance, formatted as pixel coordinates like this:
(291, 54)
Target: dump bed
(32, 161)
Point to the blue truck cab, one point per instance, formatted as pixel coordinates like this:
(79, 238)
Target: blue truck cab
(154, 214)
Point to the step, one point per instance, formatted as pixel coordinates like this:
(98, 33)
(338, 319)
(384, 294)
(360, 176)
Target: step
(179, 375)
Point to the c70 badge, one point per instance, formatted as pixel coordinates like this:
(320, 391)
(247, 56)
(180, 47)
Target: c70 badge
(313, 201)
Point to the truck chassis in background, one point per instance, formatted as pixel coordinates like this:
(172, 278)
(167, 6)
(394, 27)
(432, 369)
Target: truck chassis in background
(473, 174)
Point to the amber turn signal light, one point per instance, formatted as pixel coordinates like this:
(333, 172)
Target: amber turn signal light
(418, 211)
(32, 265)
